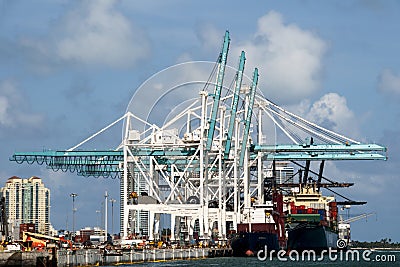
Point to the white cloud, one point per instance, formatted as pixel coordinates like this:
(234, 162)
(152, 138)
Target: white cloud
(288, 57)
(331, 111)
(210, 37)
(389, 83)
(366, 184)
(91, 33)
(173, 86)
(185, 57)
(3, 110)
(96, 33)
(13, 108)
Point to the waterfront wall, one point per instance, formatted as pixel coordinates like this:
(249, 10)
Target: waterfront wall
(19, 258)
(93, 257)
(89, 257)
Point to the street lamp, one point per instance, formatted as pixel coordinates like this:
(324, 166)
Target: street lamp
(73, 195)
(112, 214)
(98, 218)
(105, 218)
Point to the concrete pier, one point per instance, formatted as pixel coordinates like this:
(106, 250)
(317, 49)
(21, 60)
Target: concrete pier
(19, 258)
(91, 257)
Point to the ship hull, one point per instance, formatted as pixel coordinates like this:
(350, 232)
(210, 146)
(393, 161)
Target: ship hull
(312, 237)
(248, 244)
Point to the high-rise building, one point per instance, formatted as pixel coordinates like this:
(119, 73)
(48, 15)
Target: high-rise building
(284, 174)
(27, 202)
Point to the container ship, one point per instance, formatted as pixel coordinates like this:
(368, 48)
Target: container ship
(262, 226)
(302, 220)
(311, 221)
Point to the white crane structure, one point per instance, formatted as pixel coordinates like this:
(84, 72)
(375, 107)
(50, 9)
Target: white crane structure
(206, 163)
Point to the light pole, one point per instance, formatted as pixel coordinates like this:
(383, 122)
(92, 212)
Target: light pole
(112, 214)
(73, 195)
(105, 217)
(98, 218)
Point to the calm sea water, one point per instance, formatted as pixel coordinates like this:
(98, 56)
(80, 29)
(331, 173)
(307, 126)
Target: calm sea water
(392, 258)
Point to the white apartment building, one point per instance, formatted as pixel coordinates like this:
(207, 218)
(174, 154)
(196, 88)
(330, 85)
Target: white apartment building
(27, 201)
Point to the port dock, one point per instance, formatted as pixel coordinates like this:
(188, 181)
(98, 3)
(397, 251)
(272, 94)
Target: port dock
(206, 161)
(97, 257)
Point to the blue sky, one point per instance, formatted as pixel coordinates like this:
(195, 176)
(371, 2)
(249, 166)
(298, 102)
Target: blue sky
(69, 68)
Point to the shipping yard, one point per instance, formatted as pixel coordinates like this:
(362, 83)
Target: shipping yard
(226, 170)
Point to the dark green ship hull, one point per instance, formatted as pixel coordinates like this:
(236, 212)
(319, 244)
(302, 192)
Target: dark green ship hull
(312, 237)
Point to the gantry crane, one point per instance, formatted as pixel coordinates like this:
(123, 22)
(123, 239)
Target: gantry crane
(204, 178)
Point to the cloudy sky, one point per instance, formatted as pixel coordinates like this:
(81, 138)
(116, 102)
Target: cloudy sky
(69, 68)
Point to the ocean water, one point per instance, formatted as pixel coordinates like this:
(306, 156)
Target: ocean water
(387, 258)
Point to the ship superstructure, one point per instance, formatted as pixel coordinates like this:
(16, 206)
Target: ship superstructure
(308, 200)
